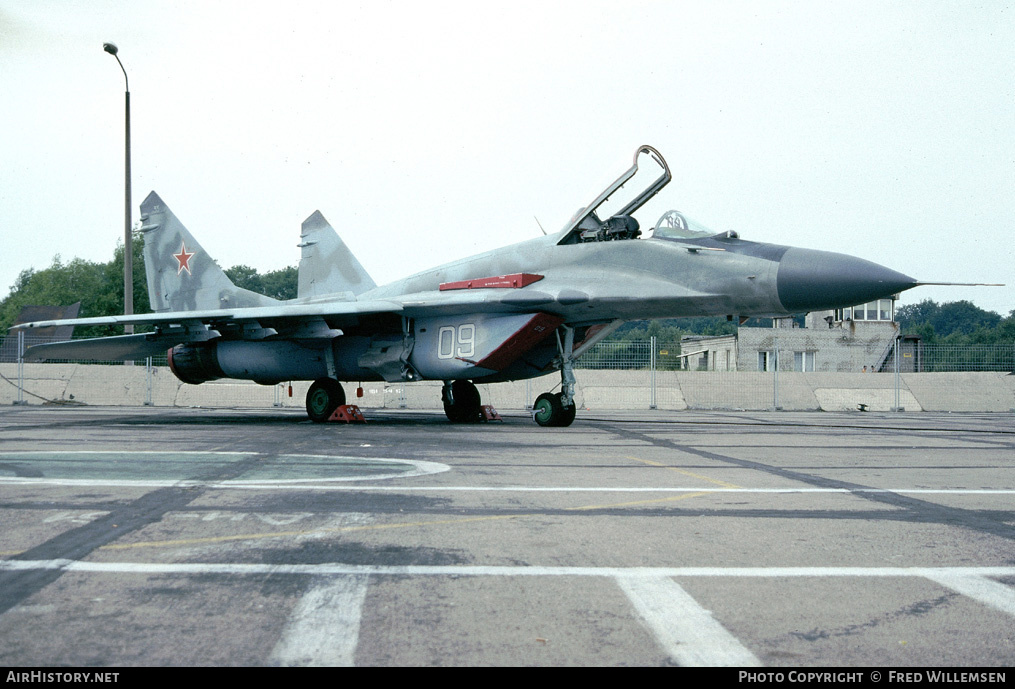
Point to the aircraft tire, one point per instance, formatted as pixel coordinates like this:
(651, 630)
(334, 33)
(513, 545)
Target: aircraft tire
(547, 409)
(323, 398)
(550, 411)
(567, 414)
(466, 406)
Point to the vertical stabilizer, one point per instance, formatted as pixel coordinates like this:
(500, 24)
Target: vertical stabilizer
(326, 264)
(181, 276)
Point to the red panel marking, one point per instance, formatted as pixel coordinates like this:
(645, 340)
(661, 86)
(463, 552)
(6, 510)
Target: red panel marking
(513, 281)
(539, 327)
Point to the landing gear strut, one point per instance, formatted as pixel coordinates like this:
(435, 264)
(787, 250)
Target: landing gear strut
(462, 403)
(558, 409)
(323, 398)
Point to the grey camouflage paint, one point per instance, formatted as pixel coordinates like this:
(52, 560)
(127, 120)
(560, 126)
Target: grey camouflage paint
(343, 326)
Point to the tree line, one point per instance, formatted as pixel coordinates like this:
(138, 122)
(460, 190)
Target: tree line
(955, 322)
(99, 288)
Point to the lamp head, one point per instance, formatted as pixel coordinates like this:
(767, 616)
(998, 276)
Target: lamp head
(110, 48)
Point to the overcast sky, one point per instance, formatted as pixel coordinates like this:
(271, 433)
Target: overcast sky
(429, 131)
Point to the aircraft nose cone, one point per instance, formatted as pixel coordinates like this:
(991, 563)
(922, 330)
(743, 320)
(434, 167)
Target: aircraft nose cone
(810, 280)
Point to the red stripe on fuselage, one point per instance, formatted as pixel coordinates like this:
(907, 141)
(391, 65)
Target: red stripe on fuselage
(513, 281)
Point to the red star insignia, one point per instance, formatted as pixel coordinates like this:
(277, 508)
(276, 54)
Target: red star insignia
(183, 258)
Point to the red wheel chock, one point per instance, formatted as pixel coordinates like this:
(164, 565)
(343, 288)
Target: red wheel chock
(489, 413)
(348, 413)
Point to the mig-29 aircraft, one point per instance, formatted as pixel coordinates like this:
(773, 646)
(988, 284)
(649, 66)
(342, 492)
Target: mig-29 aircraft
(509, 314)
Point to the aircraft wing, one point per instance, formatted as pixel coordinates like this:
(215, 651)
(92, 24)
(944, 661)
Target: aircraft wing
(116, 348)
(177, 327)
(327, 319)
(338, 310)
(323, 319)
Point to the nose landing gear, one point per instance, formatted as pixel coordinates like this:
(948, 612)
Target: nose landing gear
(550, 410)
(558, 409)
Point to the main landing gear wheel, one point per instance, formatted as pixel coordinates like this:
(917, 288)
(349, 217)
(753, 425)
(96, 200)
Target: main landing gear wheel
(323, 398)
(462, 403)
(549, 411)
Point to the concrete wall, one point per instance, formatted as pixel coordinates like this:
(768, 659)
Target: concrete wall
(675, 390)
(846, 348)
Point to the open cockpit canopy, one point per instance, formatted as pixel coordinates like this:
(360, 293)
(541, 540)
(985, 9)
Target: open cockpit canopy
(586, 225)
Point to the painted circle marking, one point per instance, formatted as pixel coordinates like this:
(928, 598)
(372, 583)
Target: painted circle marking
(159, 469)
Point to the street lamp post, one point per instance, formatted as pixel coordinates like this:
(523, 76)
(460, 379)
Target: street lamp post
(128, 244)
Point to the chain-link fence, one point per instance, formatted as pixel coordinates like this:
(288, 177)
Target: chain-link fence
(776, 369)
(942, 358)
(782, 372)
(863, 357)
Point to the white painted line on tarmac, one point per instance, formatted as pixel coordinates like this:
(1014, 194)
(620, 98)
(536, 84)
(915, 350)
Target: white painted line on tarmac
(685, 630)
(331, 569)
(630, 489)
(323, 629)
(408, 468)
(986, 591)
(316, 484)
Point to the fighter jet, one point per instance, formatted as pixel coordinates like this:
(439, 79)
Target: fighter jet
(511, 314)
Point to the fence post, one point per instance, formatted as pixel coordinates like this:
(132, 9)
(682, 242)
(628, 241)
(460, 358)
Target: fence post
(897, 406)
(775, 378)
(148, 382)
(652, 367)
(21, 368)
(528, 394)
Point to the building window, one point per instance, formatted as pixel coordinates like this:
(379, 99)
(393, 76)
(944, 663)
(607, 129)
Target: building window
(803, 361)
(766, 361)
(885, 310)
(878, 310)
